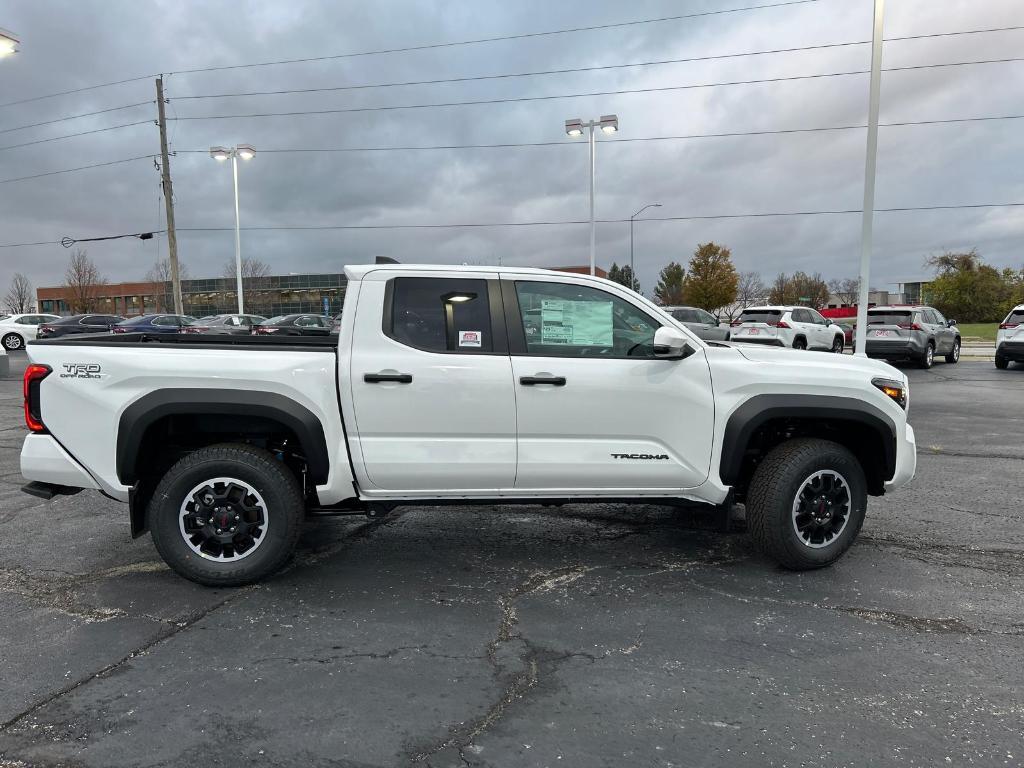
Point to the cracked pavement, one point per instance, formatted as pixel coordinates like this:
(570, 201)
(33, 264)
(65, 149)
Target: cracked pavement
(601, 635)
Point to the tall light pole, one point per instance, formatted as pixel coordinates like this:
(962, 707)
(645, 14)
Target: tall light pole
(608, 124)
(220, 154)
(8, 43)
(632, 269)
(867, 222)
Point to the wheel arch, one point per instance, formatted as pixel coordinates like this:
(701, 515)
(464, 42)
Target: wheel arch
(145, 424)
(764, 421)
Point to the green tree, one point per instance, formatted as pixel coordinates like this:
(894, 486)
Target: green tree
(712, 280)
(669, 290)
(624, 276)
(800, 289)
(968, 289)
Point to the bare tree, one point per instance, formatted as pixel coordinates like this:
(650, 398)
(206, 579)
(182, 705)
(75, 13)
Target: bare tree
(160, 273)
(845, 290)
(19, 299)
(750, 290)
(83, 281)
(253, 272)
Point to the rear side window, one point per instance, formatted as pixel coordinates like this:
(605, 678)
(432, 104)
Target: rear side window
(1014, 318)
(760, 316)
(440, 314)
(687, 316)
(895, 317)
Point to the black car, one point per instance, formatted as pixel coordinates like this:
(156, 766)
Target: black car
(294, 325)
(78, 324)
(229, 324)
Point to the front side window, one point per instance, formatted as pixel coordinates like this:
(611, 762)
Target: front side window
(565, 320)
(816, 318)
(801, 316)
(440, 314)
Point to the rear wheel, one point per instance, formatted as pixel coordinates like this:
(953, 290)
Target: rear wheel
(1002, 363)
(226, 515)
(13, 341)
(799, 343)
(954, 353)
(837, 345)
(806, 503)
(927, 360)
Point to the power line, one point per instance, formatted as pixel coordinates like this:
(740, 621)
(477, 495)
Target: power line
(620, 92)
(26, 245)
(477, 41)
(73, 135)
(76, 117)
(572, 70)
(79, 168)
(76, 90)
(482, 225)
(729, 134)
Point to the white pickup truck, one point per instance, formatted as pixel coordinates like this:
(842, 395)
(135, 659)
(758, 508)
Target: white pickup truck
(460, 384)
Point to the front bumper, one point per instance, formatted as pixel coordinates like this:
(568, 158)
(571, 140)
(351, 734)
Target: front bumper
(44, 461)
(906, 459)
(901, 349)
(1011, 350)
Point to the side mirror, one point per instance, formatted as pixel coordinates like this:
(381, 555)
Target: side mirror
(827, 321)
(670, 344)
(950, 323)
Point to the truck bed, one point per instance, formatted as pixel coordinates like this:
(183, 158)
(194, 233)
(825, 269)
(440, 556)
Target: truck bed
(196, 341)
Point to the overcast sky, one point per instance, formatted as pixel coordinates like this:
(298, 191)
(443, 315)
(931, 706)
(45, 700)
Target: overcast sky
(69, 44)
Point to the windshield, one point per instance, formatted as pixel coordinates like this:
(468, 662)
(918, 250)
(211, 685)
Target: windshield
(760, 315)
(274, 320)
(688, 316)
(889, 317)
(136, 320)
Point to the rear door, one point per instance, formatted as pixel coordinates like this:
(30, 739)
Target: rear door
(431, 383)
(596, 411)
(945, 336)
(822, 331)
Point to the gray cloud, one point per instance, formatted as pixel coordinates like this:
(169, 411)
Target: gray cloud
(71, 44)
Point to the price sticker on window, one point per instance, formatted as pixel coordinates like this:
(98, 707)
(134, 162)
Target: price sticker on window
(470, 338)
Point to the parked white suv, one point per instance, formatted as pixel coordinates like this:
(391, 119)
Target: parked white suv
(796, 327)
(15, 330)
(1010, 338)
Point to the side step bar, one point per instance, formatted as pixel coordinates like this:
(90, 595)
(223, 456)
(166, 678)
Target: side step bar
(48, 490)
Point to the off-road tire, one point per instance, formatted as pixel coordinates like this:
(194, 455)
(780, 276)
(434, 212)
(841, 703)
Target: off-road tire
(774, 487)
(954, 353)
(274, 481)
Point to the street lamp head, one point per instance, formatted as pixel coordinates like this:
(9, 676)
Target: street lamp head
(246, 151)
(220, 154)
(609, 123)
(574, 127)
(8, 43)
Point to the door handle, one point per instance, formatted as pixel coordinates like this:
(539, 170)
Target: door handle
(377, 378)
(529, 381)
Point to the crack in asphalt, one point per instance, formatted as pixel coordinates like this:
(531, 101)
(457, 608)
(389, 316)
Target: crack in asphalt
(388, 654)
(1003, 561)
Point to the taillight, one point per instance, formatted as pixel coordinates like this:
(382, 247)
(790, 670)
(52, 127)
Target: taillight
(34, 374)
(193, 329)
(261, 330)
(735, 323)
(910, 326)
(780, 324)
(118, 329)
(1006, 326)
(45, 329)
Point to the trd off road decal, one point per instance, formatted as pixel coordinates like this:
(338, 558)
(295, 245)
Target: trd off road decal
(81, 371)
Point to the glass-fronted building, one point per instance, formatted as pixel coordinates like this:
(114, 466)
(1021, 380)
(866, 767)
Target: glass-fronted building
(270, 295)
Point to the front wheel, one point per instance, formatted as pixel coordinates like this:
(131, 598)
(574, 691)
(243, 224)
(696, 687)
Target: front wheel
(13, 341)
(226, 515)
(837, 345)
(806, 503)
(954, 353)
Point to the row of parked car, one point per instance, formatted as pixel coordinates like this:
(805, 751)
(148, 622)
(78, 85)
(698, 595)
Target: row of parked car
(285, 325)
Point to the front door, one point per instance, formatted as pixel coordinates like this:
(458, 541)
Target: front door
(431, 383)
(595, 408)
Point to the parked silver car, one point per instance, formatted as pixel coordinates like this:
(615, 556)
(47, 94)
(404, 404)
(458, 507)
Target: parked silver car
(235, 325)
(906, 332)
(701, 322)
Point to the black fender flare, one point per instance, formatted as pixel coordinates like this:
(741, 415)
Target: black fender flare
(760, 409)
(147, 410)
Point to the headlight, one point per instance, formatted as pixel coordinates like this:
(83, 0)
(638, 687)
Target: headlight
(897, 391)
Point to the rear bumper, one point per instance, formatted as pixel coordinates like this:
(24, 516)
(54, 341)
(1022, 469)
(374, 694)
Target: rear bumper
(767, 341)
(44, 462)
(906, 459)
(900, 349)
(1011, 350)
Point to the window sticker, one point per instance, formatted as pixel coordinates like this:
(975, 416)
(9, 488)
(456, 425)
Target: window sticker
(576, 323)
(470, 338)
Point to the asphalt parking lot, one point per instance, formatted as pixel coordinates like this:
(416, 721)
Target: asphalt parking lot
(530, 636)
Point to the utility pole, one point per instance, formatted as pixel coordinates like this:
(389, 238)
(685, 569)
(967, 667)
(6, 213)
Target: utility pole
(867, 222)
(165, 172)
